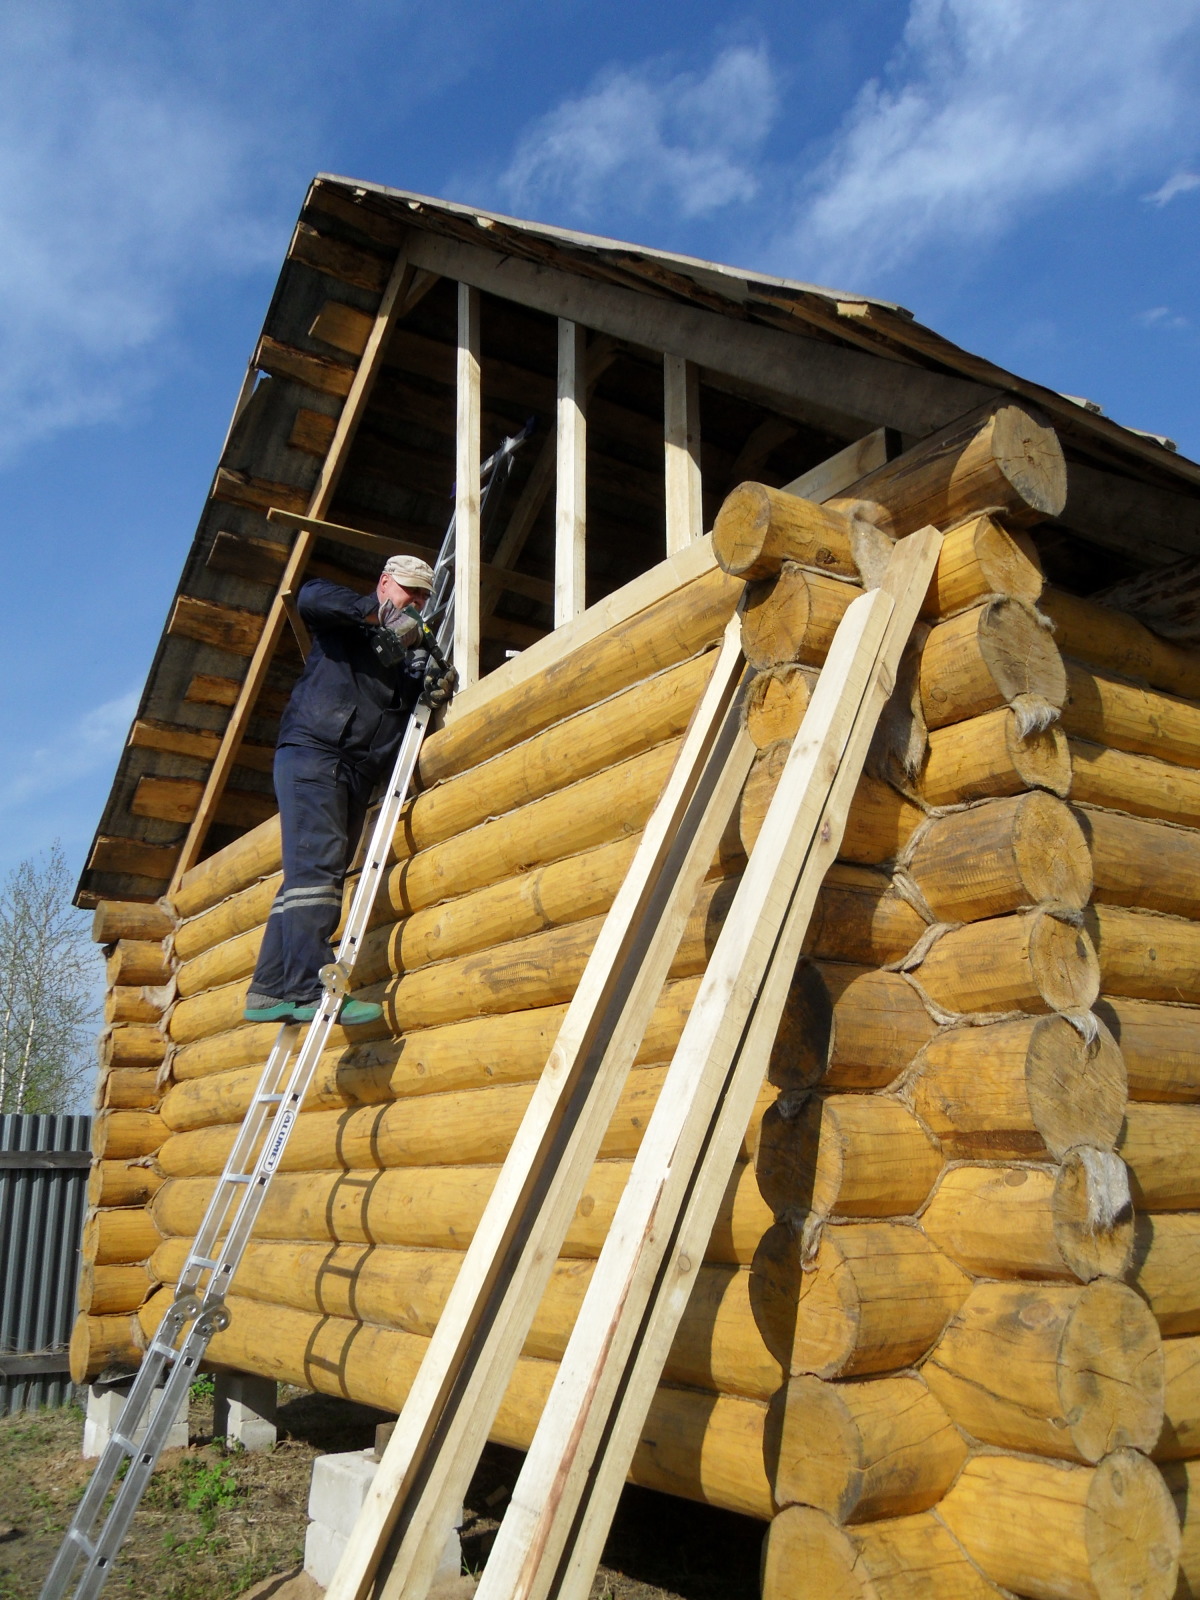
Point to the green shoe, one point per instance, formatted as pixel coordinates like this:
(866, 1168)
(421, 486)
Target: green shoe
(262, 1008)
(353, 1013)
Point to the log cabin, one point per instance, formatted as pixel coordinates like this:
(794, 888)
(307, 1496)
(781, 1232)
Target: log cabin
(945, 1341)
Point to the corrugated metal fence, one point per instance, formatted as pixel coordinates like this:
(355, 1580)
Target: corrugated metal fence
(43, 1194)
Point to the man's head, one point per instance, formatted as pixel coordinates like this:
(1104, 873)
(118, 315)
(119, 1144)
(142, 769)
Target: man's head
(405, 581)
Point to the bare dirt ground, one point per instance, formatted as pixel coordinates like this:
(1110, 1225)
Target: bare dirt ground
(216, 1523)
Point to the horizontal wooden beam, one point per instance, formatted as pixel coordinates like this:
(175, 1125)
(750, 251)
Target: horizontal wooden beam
(322, 373)
(200, 743)
(379, 544)
(823, 375)
(258, 494)
(343, 326)
(1137, 519)
(207, 689)
(348, 262)
(133, 857)
(229, 628)
(178, 799)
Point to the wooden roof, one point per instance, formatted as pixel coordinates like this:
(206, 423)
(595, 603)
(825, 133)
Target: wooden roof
(789, 374)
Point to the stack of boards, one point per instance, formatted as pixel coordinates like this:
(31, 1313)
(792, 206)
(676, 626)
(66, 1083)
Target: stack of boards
(946, 1339)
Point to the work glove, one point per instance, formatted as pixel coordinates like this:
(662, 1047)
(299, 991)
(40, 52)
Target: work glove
(439, 684)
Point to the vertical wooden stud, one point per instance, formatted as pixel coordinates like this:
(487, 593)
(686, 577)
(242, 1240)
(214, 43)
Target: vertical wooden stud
(681, 435)
(466, 491)
(570, 507)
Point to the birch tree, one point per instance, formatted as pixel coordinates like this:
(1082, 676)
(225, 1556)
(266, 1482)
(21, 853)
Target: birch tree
(49, 988)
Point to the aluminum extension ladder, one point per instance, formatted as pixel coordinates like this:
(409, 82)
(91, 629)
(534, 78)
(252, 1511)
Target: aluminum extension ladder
(95, 1534)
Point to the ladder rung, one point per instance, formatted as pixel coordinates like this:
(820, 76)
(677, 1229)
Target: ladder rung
(267, 1099)
(201, 1261)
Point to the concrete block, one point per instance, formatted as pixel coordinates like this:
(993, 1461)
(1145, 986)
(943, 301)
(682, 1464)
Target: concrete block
(244, 1409)
(105, 1403)
(335, 1498)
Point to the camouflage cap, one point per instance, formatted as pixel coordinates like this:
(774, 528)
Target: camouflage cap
(410, 571)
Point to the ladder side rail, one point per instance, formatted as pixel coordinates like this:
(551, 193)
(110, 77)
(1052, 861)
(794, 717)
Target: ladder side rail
(451, 1405)
(553, 1534)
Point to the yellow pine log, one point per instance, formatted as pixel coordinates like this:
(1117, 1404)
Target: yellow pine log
(439, 1207)
(100, 1344)
(986, 658)
(988, 756)
(130, 1088)
(1159, 1146)
(757, 529)
(1166, 1270)
(121, 1183)
(861, 1451)
(133, 1044)
(125, 1234)
(510, 1048)
(1024, 851)
(776, 702)
(248, 908)
(257, 854)
(1160, 1045)
(902, 1558)
(589, 812)
(1123, 716)
(1023, 1090)
(1182, 1478)
(848, 1155)
(249, 1044)
(858, 918)
(122, 1135)
(1034, 961)
(849, 1027)
(137, 962)
(879, 824)
(1074, 1371)
(652, 710)
(1146, 957)
(695, 1444)
(472, 1126)
(129, 1004)
(979, 559)
(108, 1291)
(876, 1298)
(1135, 783)
(689, 619)
(793, 618)
(1142, 863)
(1007, 460)
(1180, 1439)
(717, 1347)
(1027, 1222)
(1050, 1531)
(1118, 643)
(130, 919)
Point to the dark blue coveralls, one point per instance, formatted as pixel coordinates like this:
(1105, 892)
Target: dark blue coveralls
(339, 734)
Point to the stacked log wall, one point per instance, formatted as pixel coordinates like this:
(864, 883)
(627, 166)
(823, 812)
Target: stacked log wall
(927, 1295)
(955, 1284)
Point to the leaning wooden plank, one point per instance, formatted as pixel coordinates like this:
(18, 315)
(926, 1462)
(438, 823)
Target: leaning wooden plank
(322, 497)
(454, 1399)
(554, 1531)
(467, 497)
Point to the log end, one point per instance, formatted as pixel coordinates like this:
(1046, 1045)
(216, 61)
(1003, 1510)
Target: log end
(1132, 1531)
(1111, 1372)
(1028, 453)
(1093, 1215)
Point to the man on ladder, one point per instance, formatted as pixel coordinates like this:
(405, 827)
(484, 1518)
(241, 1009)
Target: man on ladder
(338, 736)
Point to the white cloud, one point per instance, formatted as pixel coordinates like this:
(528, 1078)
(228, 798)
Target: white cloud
(1162, 317)
(120, 186)
(91, 742)
(988, 109)
(1178, 183)
(643, 137)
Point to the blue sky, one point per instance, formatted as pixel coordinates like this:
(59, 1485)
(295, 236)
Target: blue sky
(1023, 174)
